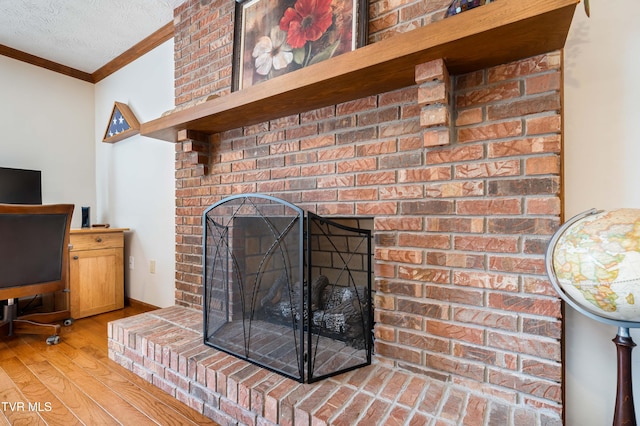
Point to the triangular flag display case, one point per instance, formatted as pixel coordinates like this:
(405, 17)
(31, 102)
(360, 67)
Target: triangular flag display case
(122, 124)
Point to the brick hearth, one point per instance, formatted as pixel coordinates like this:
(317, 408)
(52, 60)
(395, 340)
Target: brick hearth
(165, 347)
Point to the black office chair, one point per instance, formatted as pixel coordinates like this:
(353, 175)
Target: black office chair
(34, 260)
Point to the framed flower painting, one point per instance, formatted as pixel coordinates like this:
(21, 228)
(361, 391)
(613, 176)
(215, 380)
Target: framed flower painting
(275, 37)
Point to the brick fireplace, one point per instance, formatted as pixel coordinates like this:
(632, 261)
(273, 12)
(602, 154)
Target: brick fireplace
(461, 176)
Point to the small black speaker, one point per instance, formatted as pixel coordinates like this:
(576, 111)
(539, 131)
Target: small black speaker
(86, 222)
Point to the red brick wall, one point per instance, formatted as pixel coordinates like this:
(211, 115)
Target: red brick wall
(461, 215)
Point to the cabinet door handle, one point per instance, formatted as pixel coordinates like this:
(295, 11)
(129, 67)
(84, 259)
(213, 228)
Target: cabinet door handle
(75, 257)
(99, 239)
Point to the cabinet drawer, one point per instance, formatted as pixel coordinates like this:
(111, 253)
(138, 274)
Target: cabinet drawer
(96, 241)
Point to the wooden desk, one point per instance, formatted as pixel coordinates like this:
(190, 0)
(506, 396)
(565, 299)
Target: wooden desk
(96, 271)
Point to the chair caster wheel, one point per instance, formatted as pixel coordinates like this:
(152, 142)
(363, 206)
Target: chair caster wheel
(68, 322)
(53, 340)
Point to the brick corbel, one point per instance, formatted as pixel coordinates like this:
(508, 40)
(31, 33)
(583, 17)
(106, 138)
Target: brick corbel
(434, 90)
(195, 151)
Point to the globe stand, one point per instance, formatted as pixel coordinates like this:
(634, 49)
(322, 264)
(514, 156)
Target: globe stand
(625, 412)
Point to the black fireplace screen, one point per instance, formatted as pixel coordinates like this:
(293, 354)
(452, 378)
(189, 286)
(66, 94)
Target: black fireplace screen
(286, 289)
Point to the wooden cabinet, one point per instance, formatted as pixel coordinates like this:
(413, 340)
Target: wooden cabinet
(96, 271)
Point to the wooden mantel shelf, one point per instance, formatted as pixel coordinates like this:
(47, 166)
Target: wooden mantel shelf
(500, 32)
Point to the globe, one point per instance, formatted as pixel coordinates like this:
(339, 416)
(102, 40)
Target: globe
(593, 261)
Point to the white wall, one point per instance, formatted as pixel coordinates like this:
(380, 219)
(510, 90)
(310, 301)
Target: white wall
(54, 123)
(46, 123)
(602, 170)
(135, 177)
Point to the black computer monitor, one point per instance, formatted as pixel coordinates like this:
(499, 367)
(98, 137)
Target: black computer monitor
(20, 186)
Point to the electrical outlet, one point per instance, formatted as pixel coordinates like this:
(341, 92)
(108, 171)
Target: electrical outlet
(131, 262)
(152, 266)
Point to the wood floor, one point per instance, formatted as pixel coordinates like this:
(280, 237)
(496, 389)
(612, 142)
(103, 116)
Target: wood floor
(75, 382)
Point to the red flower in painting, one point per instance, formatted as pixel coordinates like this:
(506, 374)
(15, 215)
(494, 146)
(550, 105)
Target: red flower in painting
(306, 21)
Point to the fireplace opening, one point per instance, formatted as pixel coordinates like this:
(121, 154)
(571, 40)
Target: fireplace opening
(287, 289)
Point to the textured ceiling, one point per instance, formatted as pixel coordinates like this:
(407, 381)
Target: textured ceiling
(81, 34)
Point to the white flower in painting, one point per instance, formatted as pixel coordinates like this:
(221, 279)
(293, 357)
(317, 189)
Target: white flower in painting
(272, 52)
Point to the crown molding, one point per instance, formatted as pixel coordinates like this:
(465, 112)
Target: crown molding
(140, 49)
(154, 40)
(44, 63)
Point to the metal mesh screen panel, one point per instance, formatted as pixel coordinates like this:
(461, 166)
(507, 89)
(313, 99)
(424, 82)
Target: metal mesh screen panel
(284, 289)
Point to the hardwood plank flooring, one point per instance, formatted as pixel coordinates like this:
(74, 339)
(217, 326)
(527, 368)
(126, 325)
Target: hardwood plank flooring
(75, 382)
